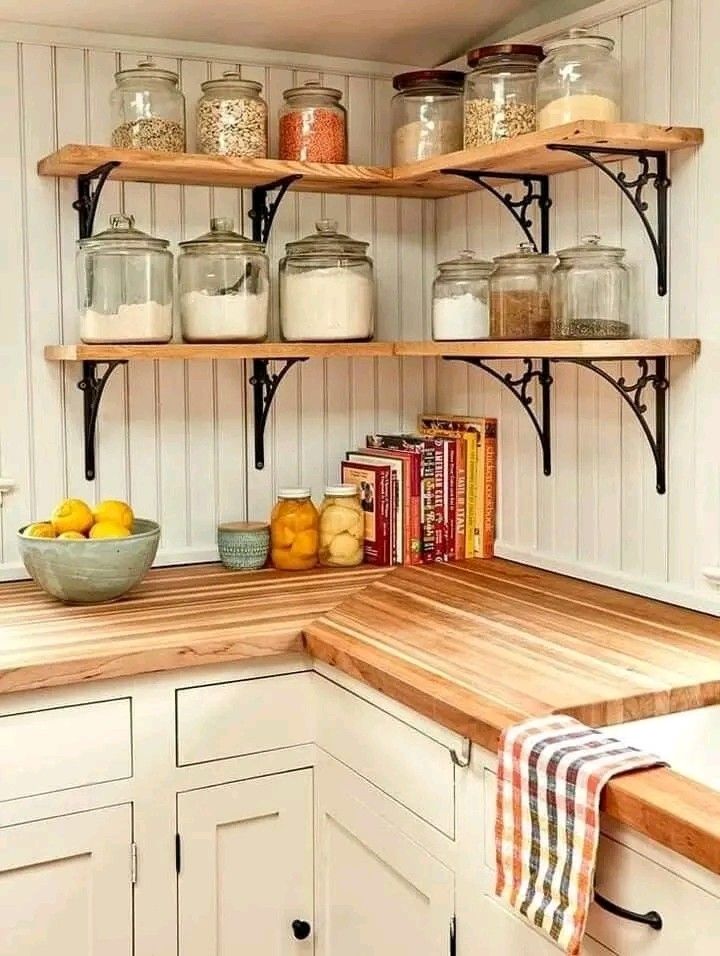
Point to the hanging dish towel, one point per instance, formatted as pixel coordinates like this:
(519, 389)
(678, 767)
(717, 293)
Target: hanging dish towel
(551, 772)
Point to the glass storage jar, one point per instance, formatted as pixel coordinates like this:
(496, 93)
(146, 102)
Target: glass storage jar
(294, 525)
(590, 292)
(313, 124)
(427, 114)
(125, 285)
(232, 117)
(327, 289)
(342, 527)
(579, 79)
(148, 109)
(500, 92)
(460, 304)
(224, 287)
(520, 294)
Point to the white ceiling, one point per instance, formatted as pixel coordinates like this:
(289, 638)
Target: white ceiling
(422, 32)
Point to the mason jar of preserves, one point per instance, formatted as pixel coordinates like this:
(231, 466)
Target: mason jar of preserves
(342, 527)
(294, 531)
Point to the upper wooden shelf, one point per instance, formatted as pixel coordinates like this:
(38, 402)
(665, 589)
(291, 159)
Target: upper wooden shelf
(523, 154)
(554, 348)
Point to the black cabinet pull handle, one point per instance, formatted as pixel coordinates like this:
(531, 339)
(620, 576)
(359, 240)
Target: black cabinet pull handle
(301, 928)
(652, 918)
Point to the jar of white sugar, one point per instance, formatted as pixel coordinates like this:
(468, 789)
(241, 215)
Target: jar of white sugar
(224, 287)
(327, 289)
(579, 79)
(460, 304)
(125, 285)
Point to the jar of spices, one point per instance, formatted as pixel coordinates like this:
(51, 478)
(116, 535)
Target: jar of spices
(232, 117)
(327, 289)
(500, 92)
(148, 109)
(520, 292)
(313, 124)
(590, 292)
(460, 303)
(427, 114)
(342, 527)
(125, 285)
(224, 287)
(294, 525)
(579, 79)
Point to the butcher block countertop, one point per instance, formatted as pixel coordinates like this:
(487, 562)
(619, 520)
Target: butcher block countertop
(476, 646)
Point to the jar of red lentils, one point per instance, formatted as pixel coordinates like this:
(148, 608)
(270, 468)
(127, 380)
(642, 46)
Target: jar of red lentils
(313, 124)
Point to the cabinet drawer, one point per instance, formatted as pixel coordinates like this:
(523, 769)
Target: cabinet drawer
(217, 721)
(60, 748)
(403, 762)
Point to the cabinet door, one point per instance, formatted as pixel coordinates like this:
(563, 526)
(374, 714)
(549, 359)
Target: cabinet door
(379, 893)
(65, 885)
(246, 868)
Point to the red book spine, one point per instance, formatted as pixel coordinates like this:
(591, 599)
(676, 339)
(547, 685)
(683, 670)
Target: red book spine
(452, 503)
(461, 489)
(438, 503)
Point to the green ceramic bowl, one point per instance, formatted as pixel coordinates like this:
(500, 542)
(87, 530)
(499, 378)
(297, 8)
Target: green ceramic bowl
(244, 545)
(87, 572)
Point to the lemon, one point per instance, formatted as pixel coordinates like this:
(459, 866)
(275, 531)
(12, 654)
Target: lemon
(109, 529)
(41, 529)
(119, 512)
(72, 515)
(71, 536)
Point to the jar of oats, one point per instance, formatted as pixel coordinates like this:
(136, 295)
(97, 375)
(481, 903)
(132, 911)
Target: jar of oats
(500, 92)
(148, 109)
(232, 118)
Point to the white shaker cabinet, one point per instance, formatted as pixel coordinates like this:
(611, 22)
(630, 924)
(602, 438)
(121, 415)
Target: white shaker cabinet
(66, 885)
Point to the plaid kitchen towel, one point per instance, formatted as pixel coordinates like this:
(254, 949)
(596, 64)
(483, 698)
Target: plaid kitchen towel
(551, 772)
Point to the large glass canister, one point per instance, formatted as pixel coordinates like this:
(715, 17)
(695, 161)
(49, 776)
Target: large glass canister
(590, 292)
(427, 114)
(327, 289)
(500, 92)
(125, 285)
(461, 299)
(148, 109)
(579, 79)
(520, 295)
(224, 287)
(294, 526)
(342, 527)
(231, 117)
(313, 124)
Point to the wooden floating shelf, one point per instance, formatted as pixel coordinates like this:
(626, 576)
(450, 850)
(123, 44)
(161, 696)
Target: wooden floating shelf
(554, 348)
(523, 154)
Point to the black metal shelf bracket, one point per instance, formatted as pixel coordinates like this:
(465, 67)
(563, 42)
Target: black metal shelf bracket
(519, 386)
(263, 210)
(653, 171)
(265, 385)
(92, 388)
(537, 192)
(88, 193)
(632, 394)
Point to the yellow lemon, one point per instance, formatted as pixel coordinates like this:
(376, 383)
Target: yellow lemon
(119, 512)
(72, 515)
(108, 529)
(71, 536)
(41, 529)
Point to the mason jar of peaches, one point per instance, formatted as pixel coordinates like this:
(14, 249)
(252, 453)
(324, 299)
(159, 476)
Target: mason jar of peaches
(342, 527)
(294, 527)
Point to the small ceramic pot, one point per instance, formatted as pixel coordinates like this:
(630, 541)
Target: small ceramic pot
(244, 545)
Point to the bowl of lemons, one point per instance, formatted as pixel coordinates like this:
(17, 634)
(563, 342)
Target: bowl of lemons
(85, 555)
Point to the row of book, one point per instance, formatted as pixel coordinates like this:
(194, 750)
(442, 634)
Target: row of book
(429, 496)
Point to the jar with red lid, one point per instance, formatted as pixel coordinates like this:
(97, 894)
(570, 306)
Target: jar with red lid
(500, 92)
(427, 114)
(313, 124)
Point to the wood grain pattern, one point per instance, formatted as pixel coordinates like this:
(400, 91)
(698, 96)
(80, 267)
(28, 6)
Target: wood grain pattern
(555, 348)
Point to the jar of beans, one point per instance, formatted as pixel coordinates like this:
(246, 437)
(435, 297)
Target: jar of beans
(313, 125)
(232, 118)
(500, 92)
(148, 109)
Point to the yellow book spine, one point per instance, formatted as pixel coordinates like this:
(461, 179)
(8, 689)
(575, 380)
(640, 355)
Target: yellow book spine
(472, 526)
(478, 546)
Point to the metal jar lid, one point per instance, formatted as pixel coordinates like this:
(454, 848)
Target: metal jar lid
(146, 69)
(122, 232)
(466, 263)
(231, 80)
(341, 491)
(578, 37)
(424, 79)
(327, 241)
(509, 51)
(293, 494)
(312, 88)
(222, 238)
(589, 247)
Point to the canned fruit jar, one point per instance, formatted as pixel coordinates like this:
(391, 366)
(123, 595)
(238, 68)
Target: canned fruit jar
(294, 531)
(342, 527)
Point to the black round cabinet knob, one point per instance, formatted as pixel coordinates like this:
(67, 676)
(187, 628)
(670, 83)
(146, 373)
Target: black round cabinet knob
(301, 928)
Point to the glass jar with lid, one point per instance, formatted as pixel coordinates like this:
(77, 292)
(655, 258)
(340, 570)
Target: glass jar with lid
(342, 527)
(224, 287)
(313, 124)
(520, 295)
(460, 302)
(125, 285)
(500, 92)
(232, 117)
(590, 292)
(427, 114)
(579, 79)
(327, 289)
(294, 526)
(148, 109)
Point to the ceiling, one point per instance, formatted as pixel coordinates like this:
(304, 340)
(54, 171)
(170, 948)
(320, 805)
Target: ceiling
(422, 32)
